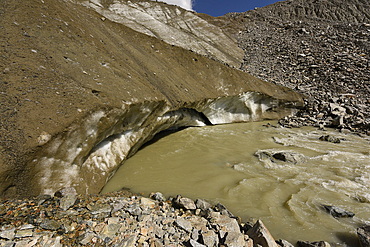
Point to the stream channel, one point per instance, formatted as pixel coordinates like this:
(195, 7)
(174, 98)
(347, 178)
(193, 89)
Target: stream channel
(219, 163)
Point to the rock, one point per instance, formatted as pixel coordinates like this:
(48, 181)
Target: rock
(24, 233)
(50, 224)
(109, 231)
(147, 203)
(209, 238)
(261, 235)
(186, 203)
(67, 197)
(8, 234)
(158, 197)
(234, 239)
(284, 243)
(43, 198)
(43, 138)
(329, 138)
(87, 238)
(194, 243)
(99, 208)
(363, 234)
(313, 244)
(134, 209)
(280, 156)
(184, 224)
(338, 121)
(202, 204)
(288, 157)
(223, 210)
(338, 212)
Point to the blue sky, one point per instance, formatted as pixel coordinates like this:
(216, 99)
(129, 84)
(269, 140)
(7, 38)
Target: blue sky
(221, 7)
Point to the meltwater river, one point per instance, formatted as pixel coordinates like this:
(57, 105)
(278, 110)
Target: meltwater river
(218, 163)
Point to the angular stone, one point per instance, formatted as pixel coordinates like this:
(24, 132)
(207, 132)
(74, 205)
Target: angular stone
(27, 226)
(284, 243)
(87, 238)
(147, 203)
(8, 234)
(109, 231)
(202, 204)
(8, 244)
(158, 197)
(199, 223)
(43, 198)
(128, 242)
(24, 233)
(223, 210)
(134, 210)
(184, 224)
(363, 234)
(261, 235)
(156, 243)
(50, 225)
(234, 239)
(185, 203)
(338, 212)
(99, 208)
(209, 238)
(224, 222)
(22, 243)
(194, 243)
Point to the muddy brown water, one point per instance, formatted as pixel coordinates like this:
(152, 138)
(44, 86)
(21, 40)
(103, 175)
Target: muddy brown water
(218, 163)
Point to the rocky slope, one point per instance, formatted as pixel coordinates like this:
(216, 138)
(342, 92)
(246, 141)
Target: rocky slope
(80, 94)
(320, 49)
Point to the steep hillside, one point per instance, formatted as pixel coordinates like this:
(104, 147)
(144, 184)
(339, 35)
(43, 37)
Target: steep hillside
(321, 49)
(173, 25)
(80, 93)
